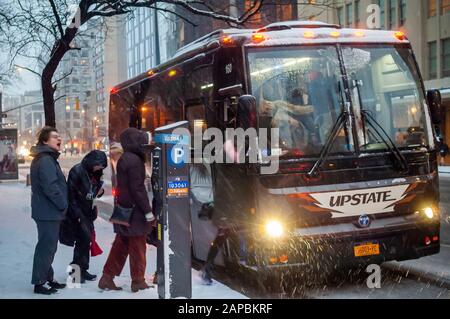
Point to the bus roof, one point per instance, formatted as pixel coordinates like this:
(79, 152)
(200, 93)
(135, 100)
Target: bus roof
(275, 34)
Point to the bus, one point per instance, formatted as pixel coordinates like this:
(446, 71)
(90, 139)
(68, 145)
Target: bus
(356, 180)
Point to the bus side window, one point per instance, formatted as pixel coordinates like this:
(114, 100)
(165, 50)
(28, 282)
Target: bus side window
(195, 115)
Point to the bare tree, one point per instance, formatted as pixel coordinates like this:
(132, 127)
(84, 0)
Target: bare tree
(45, 30)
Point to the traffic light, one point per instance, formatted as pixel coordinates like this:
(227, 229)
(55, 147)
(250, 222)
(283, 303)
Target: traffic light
(77, 104)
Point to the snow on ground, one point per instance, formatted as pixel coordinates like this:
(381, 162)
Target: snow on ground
(444, 169)
(18, 237)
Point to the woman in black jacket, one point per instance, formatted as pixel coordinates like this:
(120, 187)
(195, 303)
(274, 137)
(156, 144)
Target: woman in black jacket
(85, 185)
(130, 241)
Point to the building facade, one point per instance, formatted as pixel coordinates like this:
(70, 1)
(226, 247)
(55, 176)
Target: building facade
(150, 40)
(31, 118)
(73, 91)
(272, 11)
(109, 68)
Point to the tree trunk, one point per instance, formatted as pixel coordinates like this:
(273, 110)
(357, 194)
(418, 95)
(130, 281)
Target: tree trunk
(48, 89)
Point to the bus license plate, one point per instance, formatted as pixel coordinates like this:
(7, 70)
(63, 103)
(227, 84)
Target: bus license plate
(367, 249)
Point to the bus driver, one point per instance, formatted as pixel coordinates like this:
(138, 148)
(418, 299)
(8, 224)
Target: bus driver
(292, 116)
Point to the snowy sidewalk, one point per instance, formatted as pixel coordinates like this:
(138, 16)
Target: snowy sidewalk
(444, 169)
(435, 268)
(18, 236)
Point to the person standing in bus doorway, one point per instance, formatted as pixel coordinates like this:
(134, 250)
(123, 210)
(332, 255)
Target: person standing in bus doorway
(130, 241)
(77, 230)
(115, 152)
(48, 207)
(225, 218)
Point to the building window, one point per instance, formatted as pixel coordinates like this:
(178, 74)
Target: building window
(349, 9)
(432, 60)
(382, 4)
(446, 57)
(445, 6)
(431, 8)
(392, 14)
(402, 12)
(357, 13)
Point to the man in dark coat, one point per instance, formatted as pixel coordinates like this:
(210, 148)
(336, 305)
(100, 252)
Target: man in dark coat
(131, 193)
(84, 186)
(48, 207)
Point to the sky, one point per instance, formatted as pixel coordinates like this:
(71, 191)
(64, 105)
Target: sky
(27, 81)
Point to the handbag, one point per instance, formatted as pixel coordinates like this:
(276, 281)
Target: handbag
(95, 248)
(121, 215)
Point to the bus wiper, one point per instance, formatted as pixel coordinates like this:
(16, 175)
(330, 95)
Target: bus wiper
(342, 118)
(370, 120)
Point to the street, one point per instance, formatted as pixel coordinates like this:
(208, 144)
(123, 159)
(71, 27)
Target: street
(444, 184)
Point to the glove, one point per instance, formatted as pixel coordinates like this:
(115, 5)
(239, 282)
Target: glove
(101, 193)
(150, 217)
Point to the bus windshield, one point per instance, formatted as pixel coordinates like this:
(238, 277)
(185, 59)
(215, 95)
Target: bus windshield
(298, 91)
(386, 85)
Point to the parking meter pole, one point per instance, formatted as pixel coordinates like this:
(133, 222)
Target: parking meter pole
(171, 164)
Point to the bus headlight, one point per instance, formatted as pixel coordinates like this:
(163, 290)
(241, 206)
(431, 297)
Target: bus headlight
(428, 211)
(274, 229)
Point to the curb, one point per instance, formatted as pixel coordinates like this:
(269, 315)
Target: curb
(411, 272)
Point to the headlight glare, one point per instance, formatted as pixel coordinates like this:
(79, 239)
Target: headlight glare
(428, 211)
(274, 229)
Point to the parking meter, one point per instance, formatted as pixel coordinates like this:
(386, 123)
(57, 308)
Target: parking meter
(171, 181)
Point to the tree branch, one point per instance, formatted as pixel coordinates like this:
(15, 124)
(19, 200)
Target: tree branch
(151, 6)
(187, 5)
(57, 17)
(60, 97)
(28, 69)
(63, 77)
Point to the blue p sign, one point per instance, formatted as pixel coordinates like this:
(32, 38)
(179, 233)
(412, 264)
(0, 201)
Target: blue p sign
(178, 155)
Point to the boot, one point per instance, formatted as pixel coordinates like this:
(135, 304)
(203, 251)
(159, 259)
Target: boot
(87, 276)
(142, 285)
(155, 278)
(41, 289)
(56, 285)
(107, 283)
(205, 275)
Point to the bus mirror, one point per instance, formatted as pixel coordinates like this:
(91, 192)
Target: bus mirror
(434, 102)
(246, 112)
